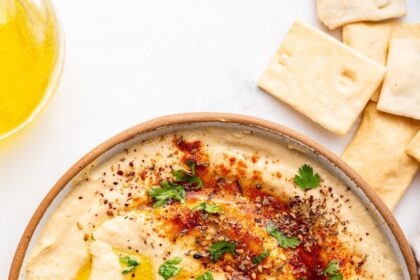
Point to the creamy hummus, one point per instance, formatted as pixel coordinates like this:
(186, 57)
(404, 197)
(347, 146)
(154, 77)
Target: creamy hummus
(210, 204)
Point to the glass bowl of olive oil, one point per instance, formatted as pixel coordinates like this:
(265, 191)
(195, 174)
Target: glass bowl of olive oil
(31, 57)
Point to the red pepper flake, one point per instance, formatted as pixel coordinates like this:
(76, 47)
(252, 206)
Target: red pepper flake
(110, 213)
(241, 168)
(131, 164)
(183, 222)
(188, 147)
(120, 172)
(80, 197)
(256, 175)
(254, 158)
(309, 262)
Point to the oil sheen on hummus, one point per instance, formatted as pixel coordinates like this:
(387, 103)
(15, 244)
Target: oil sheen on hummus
(211, 203)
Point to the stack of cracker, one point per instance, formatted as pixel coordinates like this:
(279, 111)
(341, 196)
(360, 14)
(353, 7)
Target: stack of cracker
(380, 150)
(374, 70)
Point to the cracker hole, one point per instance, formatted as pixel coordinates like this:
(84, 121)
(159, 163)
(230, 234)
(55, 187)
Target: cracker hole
(348, 75)
(346, 81)
(381, 4)
(283, 59)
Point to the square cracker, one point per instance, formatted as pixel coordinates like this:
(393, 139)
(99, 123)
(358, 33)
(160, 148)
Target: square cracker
(400, 94)
(322, 78)
(406, 30)
(413, 149)
(335, 13)
(377, 153)
(371, 39)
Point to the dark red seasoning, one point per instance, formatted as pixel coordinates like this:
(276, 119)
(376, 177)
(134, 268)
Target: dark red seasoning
(241, 168)
(192, 151)
(246, 239)
(257, 176)
(272, 205)
(308, 260)
(233, 188)
(184, 221)
(187, 147)
(254, 158)
(187, 222)
(309, 265)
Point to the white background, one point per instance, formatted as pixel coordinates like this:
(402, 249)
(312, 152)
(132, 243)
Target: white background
(130, 61)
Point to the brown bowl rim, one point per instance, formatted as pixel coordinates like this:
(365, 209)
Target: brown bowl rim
(189, 118)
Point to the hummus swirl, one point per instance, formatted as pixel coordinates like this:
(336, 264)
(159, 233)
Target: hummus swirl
(210, 203)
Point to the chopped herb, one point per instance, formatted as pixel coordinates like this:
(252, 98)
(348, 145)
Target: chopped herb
(307, 180)
(332, 271)
(191, 165)
(284, 241)
(181, 175)
(209, 208)
(170, 268)
(261, 257)
(92, 237)
(165, 192)
(205, 276)
(217, 249)
(130, 262)
(176, 190)
(338, 276)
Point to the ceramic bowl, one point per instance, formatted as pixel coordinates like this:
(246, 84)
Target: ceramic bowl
(168, 124)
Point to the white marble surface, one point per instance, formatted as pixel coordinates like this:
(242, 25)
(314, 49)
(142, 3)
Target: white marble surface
(129, 61)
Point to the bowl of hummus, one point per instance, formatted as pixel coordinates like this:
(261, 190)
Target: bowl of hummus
(212, 196)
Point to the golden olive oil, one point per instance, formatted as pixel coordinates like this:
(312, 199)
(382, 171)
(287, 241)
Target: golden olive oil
(84, 272)
(143, 271)
(28, 55)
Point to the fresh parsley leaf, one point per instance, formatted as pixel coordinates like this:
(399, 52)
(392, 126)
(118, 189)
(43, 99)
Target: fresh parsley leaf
(284, 241)
(307, 180)
(165, 192)
(181, 175)
(191, 178)
(170, 268)
(332, 268)
(191, 165)
(130, 262)
(261, 257)
(332, 271)
(205, 276)
(217, 249)
(207, 207)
